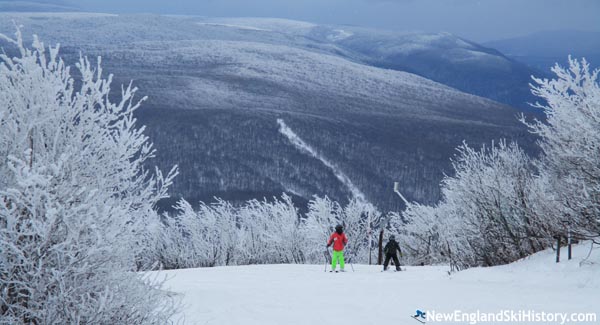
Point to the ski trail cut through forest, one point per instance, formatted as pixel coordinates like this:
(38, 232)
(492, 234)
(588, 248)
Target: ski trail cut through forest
(306, 148)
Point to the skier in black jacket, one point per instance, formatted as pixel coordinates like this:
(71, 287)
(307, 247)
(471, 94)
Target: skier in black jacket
(390, 253)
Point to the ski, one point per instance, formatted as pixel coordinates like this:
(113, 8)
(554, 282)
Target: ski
(418, 320)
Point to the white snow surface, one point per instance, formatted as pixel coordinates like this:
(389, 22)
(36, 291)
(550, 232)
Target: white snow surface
(339, 34)
(305, 294)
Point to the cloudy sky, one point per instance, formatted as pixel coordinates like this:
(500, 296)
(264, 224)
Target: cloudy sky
(479, 20)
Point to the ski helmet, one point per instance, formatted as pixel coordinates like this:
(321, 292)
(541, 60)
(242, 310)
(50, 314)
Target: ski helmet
(392, 237)
(339, 228)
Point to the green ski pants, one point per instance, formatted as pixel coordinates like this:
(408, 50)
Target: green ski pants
(337, 256)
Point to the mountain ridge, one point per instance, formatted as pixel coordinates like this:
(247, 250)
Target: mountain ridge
(543, 49)
(216, 92)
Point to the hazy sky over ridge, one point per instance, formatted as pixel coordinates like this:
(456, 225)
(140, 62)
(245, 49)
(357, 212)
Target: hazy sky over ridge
(479, 20)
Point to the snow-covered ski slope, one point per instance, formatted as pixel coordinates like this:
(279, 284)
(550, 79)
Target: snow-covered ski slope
(305, 294)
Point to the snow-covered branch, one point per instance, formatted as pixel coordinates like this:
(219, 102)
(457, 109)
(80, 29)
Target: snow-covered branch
(76, 205)
(501, 205)
(260, 232)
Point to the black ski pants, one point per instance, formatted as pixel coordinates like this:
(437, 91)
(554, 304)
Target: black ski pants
(387, 261)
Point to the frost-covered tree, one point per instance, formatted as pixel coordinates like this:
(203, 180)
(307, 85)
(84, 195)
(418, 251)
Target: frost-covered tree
(257, 232)
(501, 205)
(323, 215)
(77, 210)
(487, 213)
(358, 217)
(360, 220)
(273, 232)
(260, 232)
(570, 141)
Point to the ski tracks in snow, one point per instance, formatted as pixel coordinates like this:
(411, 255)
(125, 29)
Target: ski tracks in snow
(306, 148)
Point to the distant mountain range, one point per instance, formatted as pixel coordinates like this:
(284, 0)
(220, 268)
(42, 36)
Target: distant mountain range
(441, 57)
(35, 6)
(543, 49)
(444, 58)
(217, 87)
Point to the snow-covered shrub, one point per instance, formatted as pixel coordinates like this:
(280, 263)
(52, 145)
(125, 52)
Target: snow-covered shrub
(501, 205)
(421, 237)
(257, 232)
(486, 215)
(77, 211)
(260, 232)
(322, 217)
(275, 226)
(359, 219)
(570, 141)
(208, 237)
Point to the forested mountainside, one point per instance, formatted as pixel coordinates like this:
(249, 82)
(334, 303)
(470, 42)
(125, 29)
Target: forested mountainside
(216, 91)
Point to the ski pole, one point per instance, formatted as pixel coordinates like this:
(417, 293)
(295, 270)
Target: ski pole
(326, 255)
(350, 259)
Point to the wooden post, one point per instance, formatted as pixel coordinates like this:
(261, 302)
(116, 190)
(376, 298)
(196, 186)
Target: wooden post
(557, 249)
(380, 249)
(569, 242)
(369, 234)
